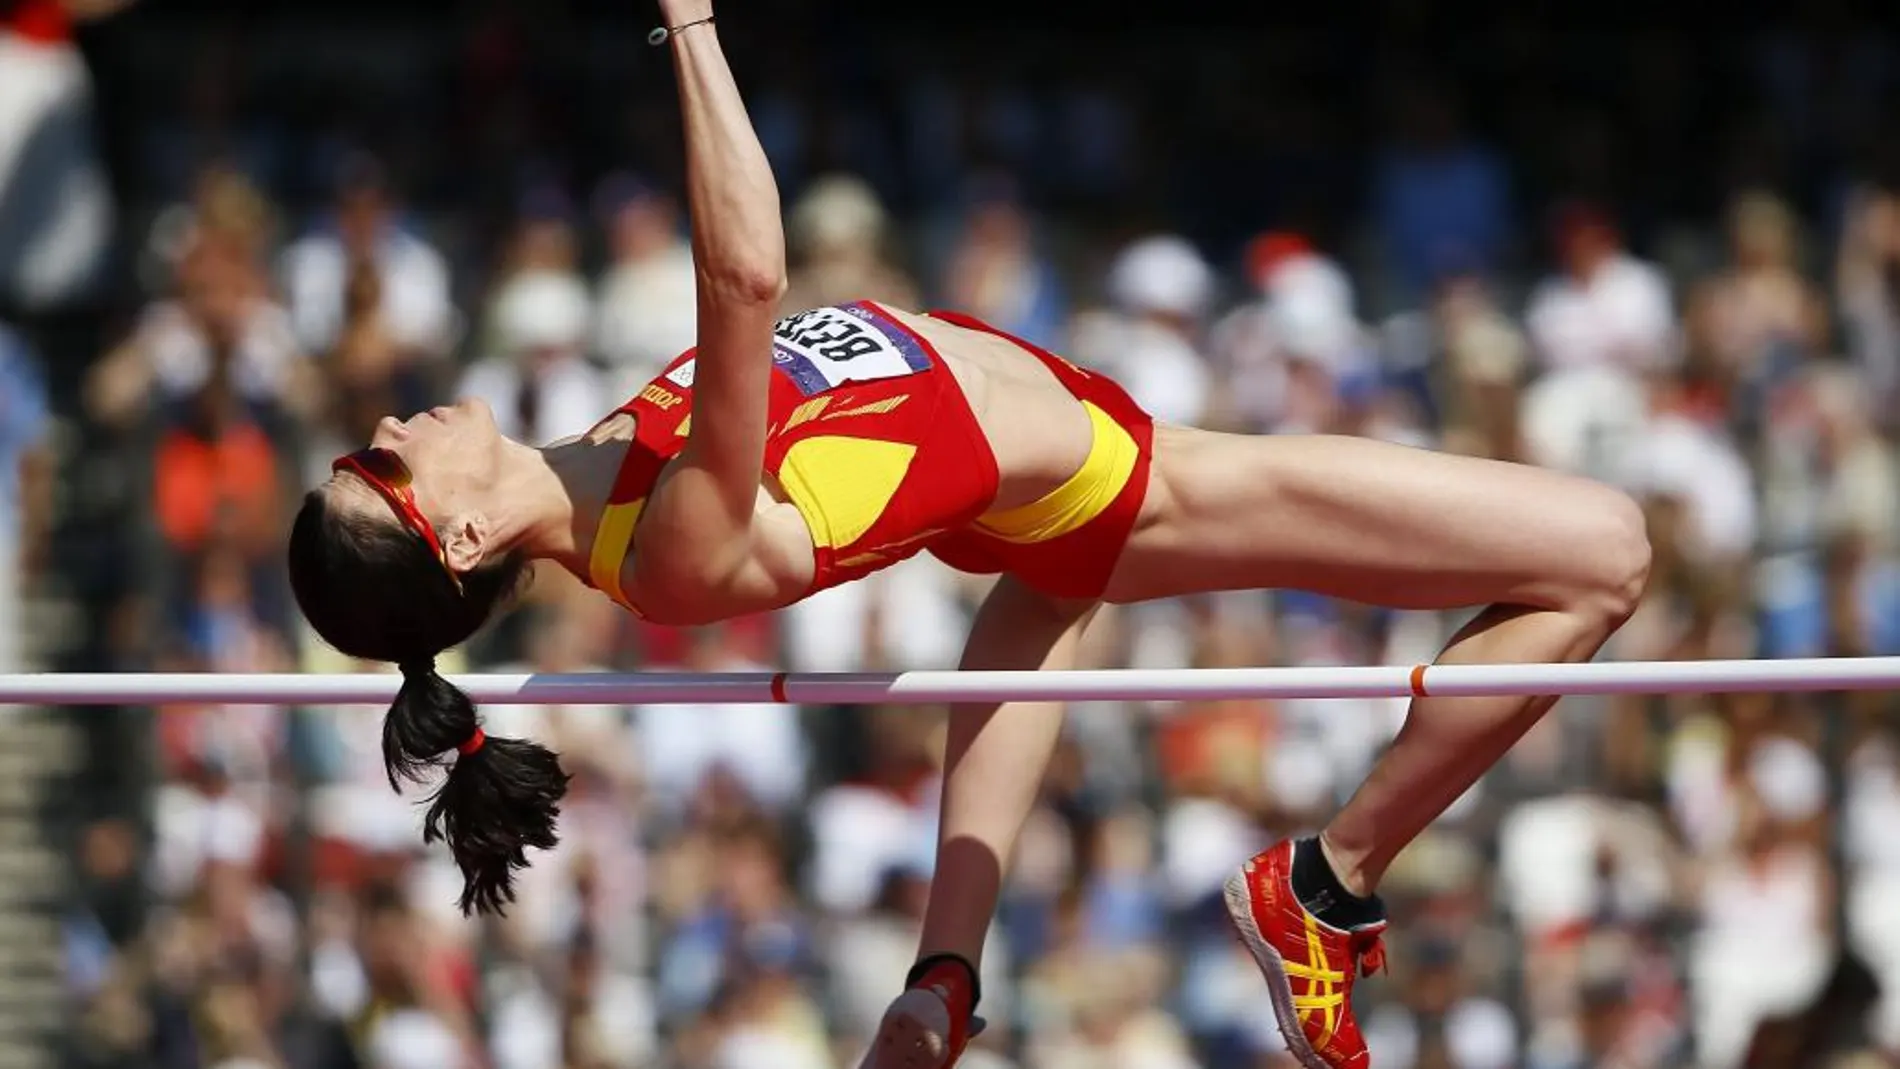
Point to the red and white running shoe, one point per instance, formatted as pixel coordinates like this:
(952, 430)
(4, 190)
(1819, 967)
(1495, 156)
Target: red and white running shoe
(1310, 966)
(928, 1025)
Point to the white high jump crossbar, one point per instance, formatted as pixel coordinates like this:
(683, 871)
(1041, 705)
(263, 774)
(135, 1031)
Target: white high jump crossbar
(910, 688)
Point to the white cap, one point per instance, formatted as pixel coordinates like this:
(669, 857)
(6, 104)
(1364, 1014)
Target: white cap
(1161, 274)
(542, 310)
(1788, 777)
(839, 211)
(1311, 278)
(1311, 326)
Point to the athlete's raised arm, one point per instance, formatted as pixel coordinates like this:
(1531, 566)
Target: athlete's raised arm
(705, 518)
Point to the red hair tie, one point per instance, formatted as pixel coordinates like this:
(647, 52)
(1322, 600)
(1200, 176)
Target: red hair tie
(474, 743)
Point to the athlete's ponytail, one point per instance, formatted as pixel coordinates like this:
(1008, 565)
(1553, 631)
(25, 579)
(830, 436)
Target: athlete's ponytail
(500, 796)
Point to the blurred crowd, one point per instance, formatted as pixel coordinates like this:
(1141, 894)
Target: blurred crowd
(1644, 883)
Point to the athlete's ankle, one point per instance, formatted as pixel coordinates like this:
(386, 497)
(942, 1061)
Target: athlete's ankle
(954, 974)
(1353, 868)
(1318, 886)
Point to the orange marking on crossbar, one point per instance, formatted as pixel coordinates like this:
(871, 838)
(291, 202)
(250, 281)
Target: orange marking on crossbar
(1418, 681)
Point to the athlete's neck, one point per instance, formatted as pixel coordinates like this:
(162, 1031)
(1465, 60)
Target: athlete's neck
(576, 478)
(528, 507)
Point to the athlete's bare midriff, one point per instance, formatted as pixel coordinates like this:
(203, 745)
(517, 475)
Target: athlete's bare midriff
(1038, 432)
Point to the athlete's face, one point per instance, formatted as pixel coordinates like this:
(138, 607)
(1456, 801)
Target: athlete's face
(453, 454)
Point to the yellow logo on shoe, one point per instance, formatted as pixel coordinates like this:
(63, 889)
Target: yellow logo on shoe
(1325, 986)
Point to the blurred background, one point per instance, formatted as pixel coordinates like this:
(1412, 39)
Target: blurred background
(1667, 256)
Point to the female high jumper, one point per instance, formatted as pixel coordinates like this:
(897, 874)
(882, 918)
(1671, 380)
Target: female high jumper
(784, 456)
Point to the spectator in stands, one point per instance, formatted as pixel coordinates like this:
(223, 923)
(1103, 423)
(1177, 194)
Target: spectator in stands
(645, 309)
(1604, 308)
(539, 381)
(56, 208)
(545, 235)
(1437, 189)
(217, 486)
(225, 208)
(365, 377)
(1463, 362)
(25, 490)
(1297, 360)
(838, 235)
(1767, 319)
(221, 323)
(365, 226)
(996, 272)
(1161, 288)
(1771, 868)
(1866, 288)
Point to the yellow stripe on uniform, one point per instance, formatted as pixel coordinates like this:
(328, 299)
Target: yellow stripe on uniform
(612, 539)
(1110, 464)
(841, 485)
(806, 412)
(874, 408)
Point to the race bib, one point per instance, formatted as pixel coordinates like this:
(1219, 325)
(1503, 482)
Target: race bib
(826, 348)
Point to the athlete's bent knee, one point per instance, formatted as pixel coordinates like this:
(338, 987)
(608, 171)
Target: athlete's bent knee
(1620, 555)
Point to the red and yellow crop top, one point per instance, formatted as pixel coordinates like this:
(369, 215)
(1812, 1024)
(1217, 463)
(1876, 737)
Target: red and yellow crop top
(868, 433)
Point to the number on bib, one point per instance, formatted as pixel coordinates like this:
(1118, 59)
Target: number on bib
(830, 347)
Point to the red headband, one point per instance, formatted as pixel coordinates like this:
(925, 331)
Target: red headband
(385, 472)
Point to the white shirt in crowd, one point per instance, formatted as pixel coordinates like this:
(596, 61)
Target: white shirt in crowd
(411, 1039)
(1622, 316)
(911, 611)
(1159, 368)
(572, 397)
(415, 283)
(618, 1025)
(1701, 466)
(56, 209)
(1738, 979)
(540, 326)
(180, 354)
(1155, 279)
(647, 315)
(859, 834)
(761, 745)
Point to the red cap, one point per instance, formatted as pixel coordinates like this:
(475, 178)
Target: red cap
(40, 21)
(1271, 249)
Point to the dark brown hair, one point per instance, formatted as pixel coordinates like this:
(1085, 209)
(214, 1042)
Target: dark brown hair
(375, 591)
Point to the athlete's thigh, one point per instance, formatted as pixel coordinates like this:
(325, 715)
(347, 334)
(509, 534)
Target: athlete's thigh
(1017, 628)
(1372, 522)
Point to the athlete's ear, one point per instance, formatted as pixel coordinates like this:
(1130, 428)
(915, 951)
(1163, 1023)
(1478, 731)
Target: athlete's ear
(466, 541)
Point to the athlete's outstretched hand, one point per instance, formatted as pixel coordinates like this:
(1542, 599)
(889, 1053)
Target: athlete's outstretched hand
(681, 12)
